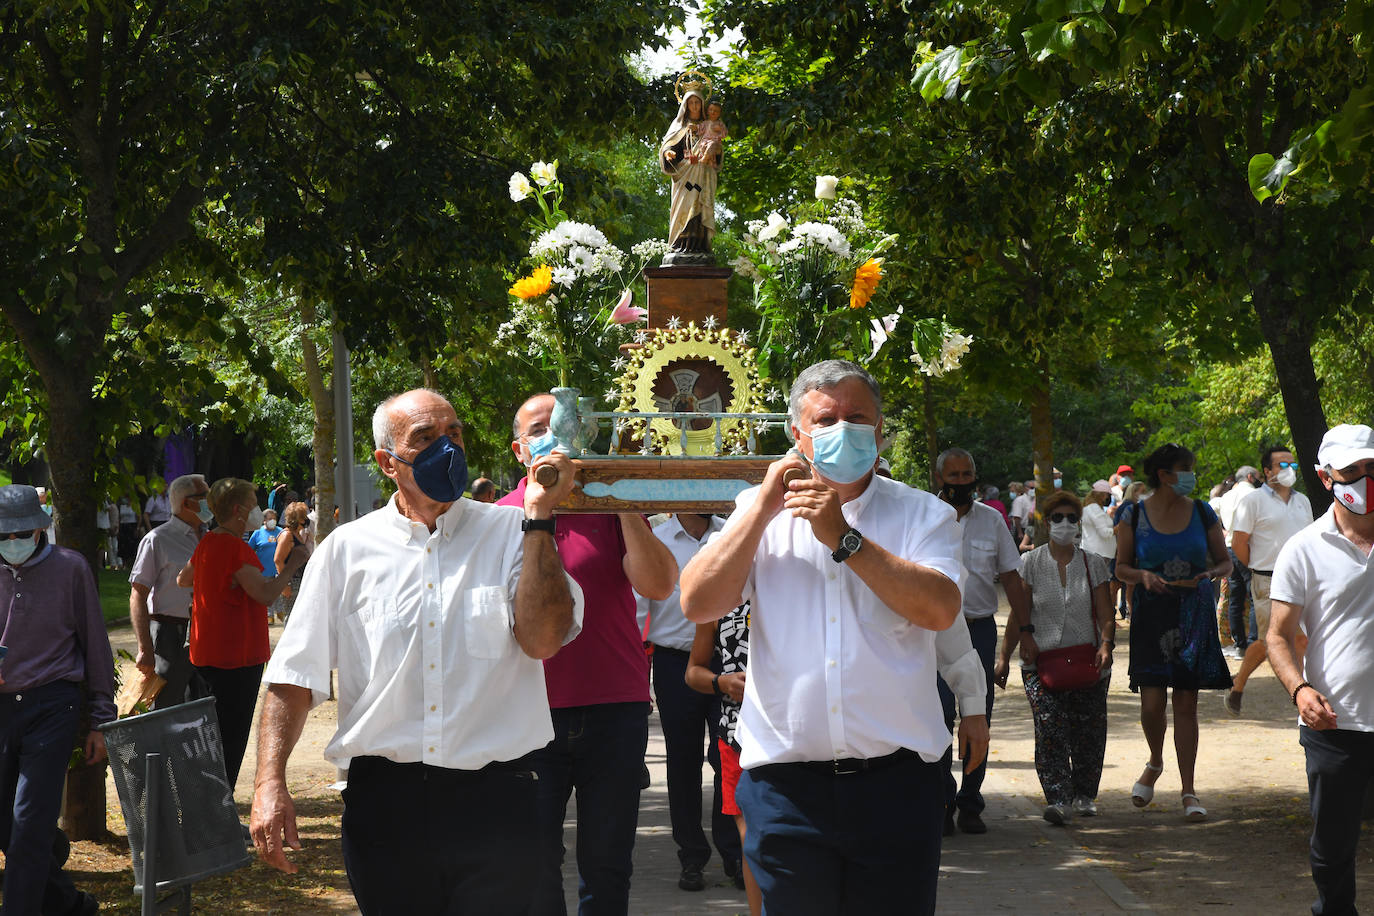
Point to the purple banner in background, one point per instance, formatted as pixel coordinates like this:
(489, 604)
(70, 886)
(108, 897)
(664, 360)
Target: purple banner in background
(178, 456)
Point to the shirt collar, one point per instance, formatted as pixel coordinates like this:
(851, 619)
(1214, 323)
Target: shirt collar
(178, 520)
(446, 525)
(715, 524)
(860, 502)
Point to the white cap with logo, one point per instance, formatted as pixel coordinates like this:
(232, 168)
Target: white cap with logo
(1344, 445)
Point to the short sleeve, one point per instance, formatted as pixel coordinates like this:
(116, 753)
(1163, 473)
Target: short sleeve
(1290, 579)
(144, 570)
(1008, 557)
(308, 649)
(742, 502)
(1028, 569)
(1126, 514)
(1243, 519)
(1097, 570)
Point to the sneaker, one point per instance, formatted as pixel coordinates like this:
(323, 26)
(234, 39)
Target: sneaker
(1084, 807)
(1233, 652)
(1233, 702)
(691, 878)
(1058, 815)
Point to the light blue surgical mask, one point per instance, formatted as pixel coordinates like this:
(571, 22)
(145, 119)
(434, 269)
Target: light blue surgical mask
(16, 551)
(843, 452)
(1186, 483)
(204, 513)
(540, 447)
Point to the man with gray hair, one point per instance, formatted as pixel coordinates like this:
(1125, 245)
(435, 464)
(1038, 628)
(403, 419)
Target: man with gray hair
(841, 786)
(159, 609)
(989, 556)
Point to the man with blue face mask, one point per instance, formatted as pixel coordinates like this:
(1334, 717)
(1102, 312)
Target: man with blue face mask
(598, 690)
(850, 576)
(159, 609)
(54, 633)
(1263, 521)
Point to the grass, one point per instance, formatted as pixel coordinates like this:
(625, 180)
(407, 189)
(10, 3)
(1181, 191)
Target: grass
(113, 587)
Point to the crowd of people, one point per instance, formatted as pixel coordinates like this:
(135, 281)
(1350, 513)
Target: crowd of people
(786, 645)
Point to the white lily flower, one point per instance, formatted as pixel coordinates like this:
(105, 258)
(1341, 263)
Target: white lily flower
(545, 173)
(825, 187)
(776, 224)
(520, 187)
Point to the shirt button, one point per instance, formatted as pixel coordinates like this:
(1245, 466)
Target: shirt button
(431, 666)
(830, 576)
(429, 585)
(831, 663)
(832, 619)
(431, 750)
(432, 708)
(431, 624)
(835, 709)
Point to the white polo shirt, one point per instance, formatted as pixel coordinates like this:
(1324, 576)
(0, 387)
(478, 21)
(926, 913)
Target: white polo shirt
(988, 550)
(1324, 573)
(1270, 522)
(1225, 505)
(833, 672)
(420, 625)
(161, 555)
(667, 626)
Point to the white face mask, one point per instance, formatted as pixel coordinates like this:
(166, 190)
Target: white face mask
(254, 519)
(1355, 495)
(270, 524)
(1286, 477)
(16, 552)
(1063, 532)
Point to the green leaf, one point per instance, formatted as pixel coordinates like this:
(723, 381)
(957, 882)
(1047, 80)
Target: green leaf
(1269, 176)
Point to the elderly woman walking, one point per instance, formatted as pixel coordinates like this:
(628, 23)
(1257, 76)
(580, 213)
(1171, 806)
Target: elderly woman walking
(1070, 633)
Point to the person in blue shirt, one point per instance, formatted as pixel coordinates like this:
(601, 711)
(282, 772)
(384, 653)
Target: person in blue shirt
(264, 544)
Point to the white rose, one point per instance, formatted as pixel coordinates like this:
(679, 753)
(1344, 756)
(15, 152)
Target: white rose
(825, 187)
(545, 173)
(520, 187)
(776, 224)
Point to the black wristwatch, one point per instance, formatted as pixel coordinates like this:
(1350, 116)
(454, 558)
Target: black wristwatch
(537, 524)
(715, 686)
(1028, 628)
(850, 542)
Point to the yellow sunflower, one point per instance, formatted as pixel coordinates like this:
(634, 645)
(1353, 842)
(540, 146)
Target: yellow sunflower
(536, 284)
(865, 282)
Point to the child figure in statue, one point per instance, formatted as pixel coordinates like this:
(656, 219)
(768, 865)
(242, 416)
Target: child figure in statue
(712, 131)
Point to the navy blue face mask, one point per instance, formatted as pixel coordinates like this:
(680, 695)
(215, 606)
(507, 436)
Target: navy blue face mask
(440, 471)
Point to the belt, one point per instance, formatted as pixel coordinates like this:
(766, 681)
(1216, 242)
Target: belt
(849, 766)
(168, 618)
(1262, 572)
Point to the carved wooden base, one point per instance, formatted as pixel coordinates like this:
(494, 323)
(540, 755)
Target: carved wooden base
(651, 485)
(688, 293)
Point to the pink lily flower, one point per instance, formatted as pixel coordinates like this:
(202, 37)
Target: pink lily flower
(624, 313)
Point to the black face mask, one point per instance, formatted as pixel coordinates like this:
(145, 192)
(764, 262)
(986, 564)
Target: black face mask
(958, 494)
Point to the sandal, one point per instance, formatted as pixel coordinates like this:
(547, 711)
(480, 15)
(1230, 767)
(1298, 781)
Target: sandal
(1193, 812)
(1141, 794)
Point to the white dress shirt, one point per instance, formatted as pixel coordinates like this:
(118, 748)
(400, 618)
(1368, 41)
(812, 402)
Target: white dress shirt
(959, 664)
(833, 672)
(1270, 522)
(1225, 505)
(1322, 572)
(667, 625)
(988, 551)
(421, 628)
(161, 555)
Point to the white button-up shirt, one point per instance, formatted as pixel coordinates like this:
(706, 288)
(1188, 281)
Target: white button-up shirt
(421, 628)
(667, 625)
(1322, 572)
(1270, 522)
(833, 672)
(988, 550)
(161, 555)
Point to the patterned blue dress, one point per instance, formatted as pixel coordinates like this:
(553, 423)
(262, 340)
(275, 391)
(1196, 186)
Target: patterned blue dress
(1174, 640)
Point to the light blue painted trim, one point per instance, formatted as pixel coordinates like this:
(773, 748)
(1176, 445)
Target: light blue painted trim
(680, 490)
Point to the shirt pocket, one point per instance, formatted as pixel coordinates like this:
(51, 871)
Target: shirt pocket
(378, 635)
(982, 556)
(487, 622)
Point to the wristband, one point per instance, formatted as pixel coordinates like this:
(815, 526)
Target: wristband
(538, 524)
(1298, 688)
(715, 686)
(1028, 628)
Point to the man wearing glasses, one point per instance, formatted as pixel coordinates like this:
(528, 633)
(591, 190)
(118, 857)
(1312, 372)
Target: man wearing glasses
(1263, 522)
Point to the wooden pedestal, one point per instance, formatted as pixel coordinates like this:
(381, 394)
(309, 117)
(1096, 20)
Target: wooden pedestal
(651, 485)
(689, 293)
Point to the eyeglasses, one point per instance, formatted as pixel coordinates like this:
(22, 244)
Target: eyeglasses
(1064, 517)
(17, 535)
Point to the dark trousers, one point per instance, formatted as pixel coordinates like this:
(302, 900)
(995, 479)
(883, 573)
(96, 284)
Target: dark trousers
(688, 718)
(862, 843)
(1070, 738)
(37, 733)
(236, 696)
(171, 661)
(420, 840)
(599, 752)
(969, 797)
(1339, 764)
(1240, 613)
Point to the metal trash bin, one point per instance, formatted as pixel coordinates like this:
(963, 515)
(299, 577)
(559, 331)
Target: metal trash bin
(185, 828)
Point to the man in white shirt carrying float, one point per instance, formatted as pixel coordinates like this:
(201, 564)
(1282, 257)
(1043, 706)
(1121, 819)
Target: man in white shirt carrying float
(841, 732)
(436, 610)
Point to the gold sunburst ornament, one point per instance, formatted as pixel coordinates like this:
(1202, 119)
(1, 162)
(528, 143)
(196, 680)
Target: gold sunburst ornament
(673, 351)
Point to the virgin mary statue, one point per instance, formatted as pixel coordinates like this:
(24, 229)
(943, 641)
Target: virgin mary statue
(692, 216)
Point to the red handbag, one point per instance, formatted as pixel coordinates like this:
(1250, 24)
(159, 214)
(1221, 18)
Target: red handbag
(1070, 667)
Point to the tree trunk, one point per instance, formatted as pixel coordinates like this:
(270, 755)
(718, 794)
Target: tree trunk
(932, 428)
(322, 436)
(1289, 337)
(1042, 441)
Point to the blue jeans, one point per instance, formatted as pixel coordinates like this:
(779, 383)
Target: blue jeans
(821, 844)
(1338, 766)
(689, 718)
(37, 733)
(1236, 615)
(969, 797)
(599, 752)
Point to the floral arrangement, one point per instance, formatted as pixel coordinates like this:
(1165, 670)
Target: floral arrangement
(573, 307)
(818, 287)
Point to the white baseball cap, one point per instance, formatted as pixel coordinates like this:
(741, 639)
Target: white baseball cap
(1344, 445)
